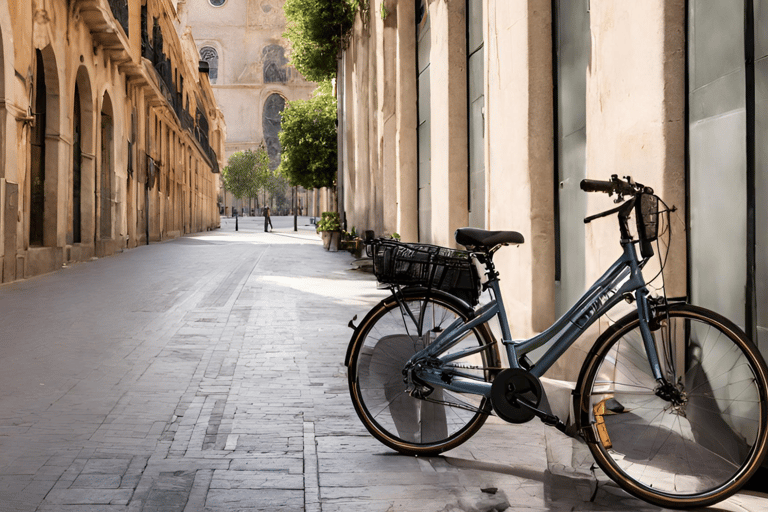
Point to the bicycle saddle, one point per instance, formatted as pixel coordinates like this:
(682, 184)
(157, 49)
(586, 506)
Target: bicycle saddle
(484, 239)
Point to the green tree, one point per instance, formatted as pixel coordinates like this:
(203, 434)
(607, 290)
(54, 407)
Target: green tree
(246, 172)
(308, 140)
(317, 30)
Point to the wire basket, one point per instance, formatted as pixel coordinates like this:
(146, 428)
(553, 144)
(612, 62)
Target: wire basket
(431, 266)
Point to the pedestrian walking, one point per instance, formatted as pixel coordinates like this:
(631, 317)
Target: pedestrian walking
(267, 219)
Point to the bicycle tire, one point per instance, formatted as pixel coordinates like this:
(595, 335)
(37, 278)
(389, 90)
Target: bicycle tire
(378, 351)
(691, 454)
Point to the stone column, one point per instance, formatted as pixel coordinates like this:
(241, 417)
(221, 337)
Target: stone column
(406, 118)
(519, 138)
(448, 76)
(635, 117)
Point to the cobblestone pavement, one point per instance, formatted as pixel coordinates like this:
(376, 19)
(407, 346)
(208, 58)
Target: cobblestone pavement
(206, 374)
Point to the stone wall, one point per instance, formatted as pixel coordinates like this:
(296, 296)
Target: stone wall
(634, 91)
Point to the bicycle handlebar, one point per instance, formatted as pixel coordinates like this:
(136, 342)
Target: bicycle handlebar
(596, 186)
(615, 186)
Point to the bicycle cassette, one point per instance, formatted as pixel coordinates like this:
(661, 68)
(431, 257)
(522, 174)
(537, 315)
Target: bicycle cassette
(509, 385)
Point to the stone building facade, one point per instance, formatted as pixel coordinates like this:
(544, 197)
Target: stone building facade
(242, 40)
(488, 113)
(110, 136)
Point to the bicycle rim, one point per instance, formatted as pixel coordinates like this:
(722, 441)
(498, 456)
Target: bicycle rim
(386, 342)
(692, 453)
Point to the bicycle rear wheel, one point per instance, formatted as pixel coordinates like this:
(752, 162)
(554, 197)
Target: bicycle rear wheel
(385, 340)
(692, 451)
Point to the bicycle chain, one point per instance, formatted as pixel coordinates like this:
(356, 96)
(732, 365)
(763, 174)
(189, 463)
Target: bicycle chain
(458, 406)
(471, 367)
(487, 410)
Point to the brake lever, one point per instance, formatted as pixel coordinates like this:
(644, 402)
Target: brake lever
(589, 219)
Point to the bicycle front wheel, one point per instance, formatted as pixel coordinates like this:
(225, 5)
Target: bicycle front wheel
(692, 450)
(385, 340)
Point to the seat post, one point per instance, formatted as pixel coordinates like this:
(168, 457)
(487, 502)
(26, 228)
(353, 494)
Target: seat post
(486, 258)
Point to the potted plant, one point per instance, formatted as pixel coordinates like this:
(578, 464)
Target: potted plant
(329, 228)
(352, 243)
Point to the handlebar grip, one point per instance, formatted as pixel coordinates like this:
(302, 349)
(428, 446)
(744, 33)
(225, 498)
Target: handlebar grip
(598, 186)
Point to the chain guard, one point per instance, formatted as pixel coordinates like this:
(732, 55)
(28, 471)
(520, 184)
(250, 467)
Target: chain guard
(510, 384)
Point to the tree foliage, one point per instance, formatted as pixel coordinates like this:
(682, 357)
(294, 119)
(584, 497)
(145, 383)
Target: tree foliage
(308, 140)
(247, 172)
(317, 29)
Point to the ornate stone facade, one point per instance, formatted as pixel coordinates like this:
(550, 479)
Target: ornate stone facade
(254, 78)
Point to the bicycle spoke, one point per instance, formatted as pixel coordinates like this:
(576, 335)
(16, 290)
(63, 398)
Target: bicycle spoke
(700, 435)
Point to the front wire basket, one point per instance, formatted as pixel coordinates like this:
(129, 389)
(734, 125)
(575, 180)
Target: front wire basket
(430, 266)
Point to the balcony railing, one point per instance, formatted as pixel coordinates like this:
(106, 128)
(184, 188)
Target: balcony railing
(120, 12)
(105, 26)
(152, 50)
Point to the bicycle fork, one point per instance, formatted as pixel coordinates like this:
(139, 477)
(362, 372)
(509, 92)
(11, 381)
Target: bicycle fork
(670, 391)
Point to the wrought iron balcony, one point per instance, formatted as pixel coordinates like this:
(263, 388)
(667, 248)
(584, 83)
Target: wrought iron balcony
(108, 22)
(120, 12)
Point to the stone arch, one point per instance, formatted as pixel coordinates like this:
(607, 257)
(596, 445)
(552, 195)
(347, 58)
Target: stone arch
(270, 123)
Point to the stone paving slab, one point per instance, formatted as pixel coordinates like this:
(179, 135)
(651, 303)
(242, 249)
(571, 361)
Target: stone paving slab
(206, 374)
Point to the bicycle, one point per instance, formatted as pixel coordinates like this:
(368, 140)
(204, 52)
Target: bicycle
(671, 399)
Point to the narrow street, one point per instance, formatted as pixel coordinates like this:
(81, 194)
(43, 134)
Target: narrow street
(206, 374)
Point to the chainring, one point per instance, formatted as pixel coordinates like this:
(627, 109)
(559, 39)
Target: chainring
(510, 384)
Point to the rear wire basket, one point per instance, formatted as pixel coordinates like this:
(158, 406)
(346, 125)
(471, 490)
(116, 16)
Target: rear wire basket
(430, 266)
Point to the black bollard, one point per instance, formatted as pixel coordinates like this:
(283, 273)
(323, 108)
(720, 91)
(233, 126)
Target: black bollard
(235, 222)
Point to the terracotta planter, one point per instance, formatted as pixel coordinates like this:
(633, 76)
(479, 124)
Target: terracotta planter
(331, 240)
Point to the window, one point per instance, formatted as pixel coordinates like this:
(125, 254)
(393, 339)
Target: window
(423, 132)
(217, 3)
(274, 64)
(475, 104)
(211, 56)
(572, 46)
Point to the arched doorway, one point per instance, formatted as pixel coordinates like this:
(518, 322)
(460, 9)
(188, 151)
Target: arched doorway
(83, 182)
(3, 114)
(41, 187)
(77, 176)
(37, 163)
(106, 164)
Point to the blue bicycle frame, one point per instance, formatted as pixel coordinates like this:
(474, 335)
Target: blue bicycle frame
(622, 278)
